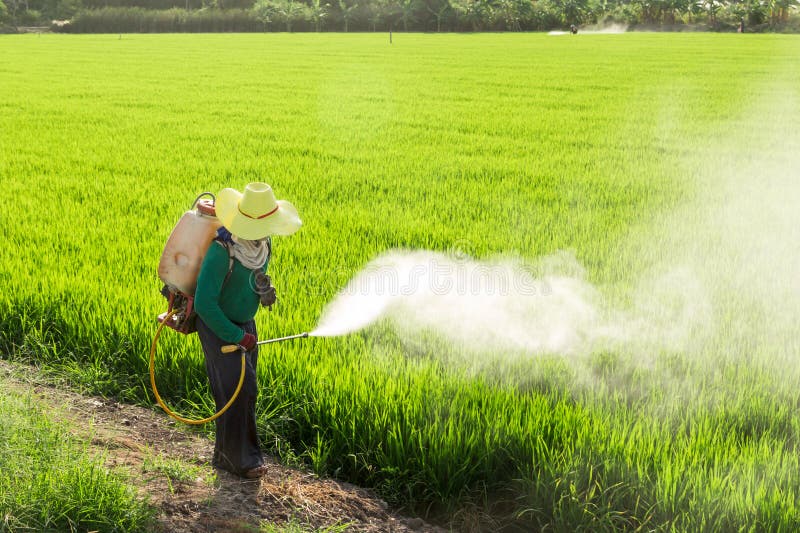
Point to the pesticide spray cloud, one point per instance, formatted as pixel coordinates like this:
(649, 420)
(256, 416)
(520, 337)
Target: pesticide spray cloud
(727, 288)
(505, 305)
(606, 29)
(481, 304)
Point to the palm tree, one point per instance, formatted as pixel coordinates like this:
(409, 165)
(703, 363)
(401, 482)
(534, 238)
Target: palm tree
(472, 12)
(754, 10)
(381, 10)
(263, 10)
(288, 11)
(695, 8)
(712, 7)
(407, 8)
(508, 12)
(348, 13)
(779, 10)
(440, 12)
(375, 14)
(572, 11)
(317, 13)
(671, 9)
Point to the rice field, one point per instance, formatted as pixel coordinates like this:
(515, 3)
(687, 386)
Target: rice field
(664, 166)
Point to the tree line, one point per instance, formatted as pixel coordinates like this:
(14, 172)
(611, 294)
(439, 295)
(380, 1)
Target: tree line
(399, 15)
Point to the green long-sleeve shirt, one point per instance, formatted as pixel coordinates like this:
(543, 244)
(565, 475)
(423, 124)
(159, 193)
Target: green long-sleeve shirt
(219, 306)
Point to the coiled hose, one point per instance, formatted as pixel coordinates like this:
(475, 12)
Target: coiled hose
(158, 396)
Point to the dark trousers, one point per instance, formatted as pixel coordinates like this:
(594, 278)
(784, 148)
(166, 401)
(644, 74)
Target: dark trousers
(236, 448)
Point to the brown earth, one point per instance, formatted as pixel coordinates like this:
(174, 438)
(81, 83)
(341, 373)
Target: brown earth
(169, 465)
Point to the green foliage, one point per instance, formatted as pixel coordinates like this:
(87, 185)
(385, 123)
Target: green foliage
(137, 20)
(499, 143)
(263, 11)
(317, 13)
(48, 481)
(285, 13)
(474, 13)
(415, 15)
(347, 13)
(64, 9)
(29, 17)
(572, 11)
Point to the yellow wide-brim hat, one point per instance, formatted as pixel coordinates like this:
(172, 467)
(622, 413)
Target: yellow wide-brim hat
(256, 213)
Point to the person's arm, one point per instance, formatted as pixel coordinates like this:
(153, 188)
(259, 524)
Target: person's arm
(206, 299)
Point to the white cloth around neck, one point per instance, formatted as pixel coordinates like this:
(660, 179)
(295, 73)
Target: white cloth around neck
(251, 254)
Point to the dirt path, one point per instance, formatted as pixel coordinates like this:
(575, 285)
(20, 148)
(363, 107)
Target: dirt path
(170, 465)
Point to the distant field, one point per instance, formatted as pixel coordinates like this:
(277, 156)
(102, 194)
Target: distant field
(665, 163)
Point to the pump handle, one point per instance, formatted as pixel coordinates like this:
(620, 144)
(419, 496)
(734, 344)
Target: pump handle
(211, 194)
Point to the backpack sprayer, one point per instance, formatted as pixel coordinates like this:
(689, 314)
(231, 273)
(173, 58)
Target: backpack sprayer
(178, 268)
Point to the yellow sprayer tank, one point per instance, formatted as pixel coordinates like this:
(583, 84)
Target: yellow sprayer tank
(186, 247)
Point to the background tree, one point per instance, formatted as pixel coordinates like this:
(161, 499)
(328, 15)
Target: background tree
(263, 10)
(695, 9)
(509, 13)
(409, 15)
(376, 15)
(472, 13)
(317, 13)
(671, 10)
(439, 9)
(754, 11)
(60, 9)
(712, 7)
(383, 11)
(779, 10)
(287, 12)
(12, 6)
(348, 13)
(407, 12)
(571, 11)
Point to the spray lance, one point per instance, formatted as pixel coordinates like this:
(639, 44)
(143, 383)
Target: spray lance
(233, 347)
(178, 269)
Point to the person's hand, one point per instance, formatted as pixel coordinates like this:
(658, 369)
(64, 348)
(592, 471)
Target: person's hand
(248, 342)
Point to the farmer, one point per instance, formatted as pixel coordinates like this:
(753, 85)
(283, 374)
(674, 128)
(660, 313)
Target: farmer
(231, 284)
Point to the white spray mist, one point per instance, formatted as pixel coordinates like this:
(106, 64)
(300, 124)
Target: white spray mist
(546, 307)
(729, 284)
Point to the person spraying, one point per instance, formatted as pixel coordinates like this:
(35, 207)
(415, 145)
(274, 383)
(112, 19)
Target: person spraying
(231, 286)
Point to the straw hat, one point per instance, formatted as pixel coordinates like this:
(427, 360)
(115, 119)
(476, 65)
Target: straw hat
(256, 213)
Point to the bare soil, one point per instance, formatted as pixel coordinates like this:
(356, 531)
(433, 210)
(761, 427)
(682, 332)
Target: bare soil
(170, 466)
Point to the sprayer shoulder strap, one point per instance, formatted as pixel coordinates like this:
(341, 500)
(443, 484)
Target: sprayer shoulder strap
(229, 248)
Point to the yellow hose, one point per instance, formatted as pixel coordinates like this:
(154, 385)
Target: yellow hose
(158, 397)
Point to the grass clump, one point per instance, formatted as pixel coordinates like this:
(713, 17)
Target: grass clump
(175, 471)
(49, 482)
